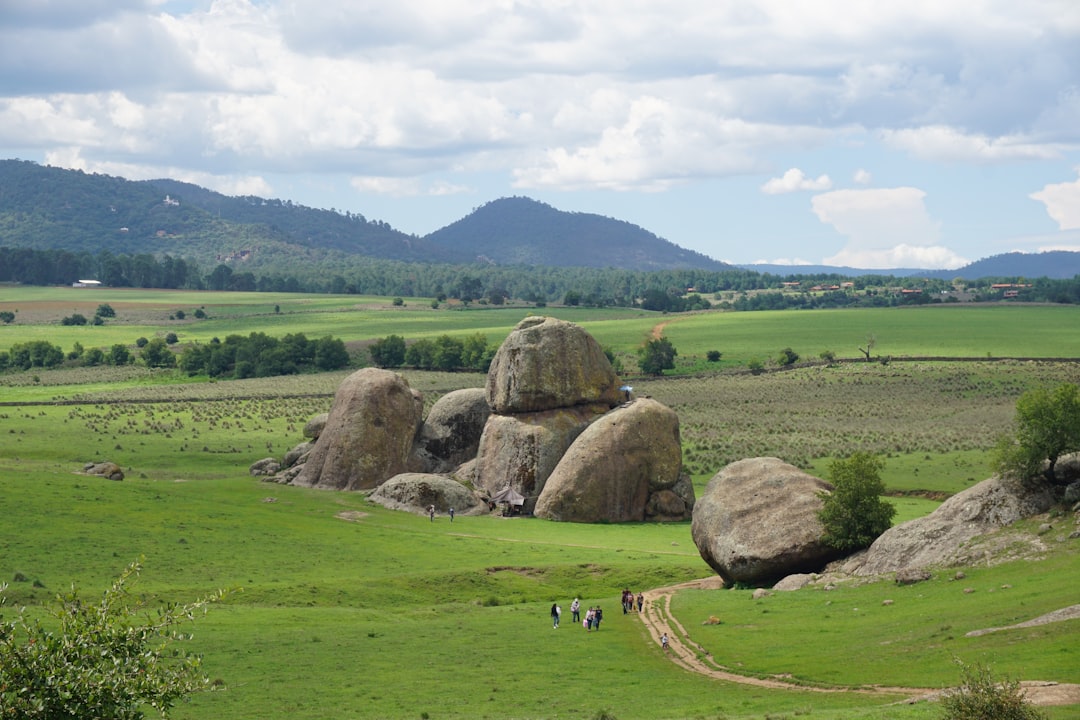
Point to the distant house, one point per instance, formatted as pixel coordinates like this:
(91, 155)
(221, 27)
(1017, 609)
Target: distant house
(86, 283)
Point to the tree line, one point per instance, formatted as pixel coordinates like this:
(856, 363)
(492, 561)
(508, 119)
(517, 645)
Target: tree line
(661, 290)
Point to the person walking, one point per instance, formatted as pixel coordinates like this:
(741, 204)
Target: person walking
(555, 612)
(597, 617)
(664, 642)
(640, 601)
(431, 513)
(575, 610)
(451, 514)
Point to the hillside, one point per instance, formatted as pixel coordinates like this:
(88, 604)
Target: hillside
(51, 208)
(522, 231)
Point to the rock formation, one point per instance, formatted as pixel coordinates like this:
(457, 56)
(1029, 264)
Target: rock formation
(368, 435)
(547, 382)
(757, 522)
(622, 466)
(941, 538)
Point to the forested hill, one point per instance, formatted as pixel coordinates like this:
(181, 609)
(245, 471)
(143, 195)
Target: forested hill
(52, 208)
(522, 231)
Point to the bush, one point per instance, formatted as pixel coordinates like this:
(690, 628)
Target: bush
(713, 356)
(171, 339)
(1046, 426)
(141, 342)
(105, 660)
(105, 310)
(388, 352)
(200, 314)
(980, 696)
(398, 302)
(74, 319)
(657, 356)
(787, 357)
(7, 317)
(854, 515)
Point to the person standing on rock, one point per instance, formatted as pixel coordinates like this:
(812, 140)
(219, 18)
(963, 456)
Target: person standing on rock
(575, 610)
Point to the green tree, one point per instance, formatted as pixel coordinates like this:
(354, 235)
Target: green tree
(171, 338)
(119, 355)
(7, 317)
(787, 357)
(102, 660)
(330, 353)
(156, 354)
(713, 356)
(388, 352)
(105, 310)
(74, 319)
(1046, 426)
(854, 514)
(981, 696)
(657, 356)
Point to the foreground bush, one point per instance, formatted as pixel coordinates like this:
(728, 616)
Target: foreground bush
(107, 660)
(981, 697)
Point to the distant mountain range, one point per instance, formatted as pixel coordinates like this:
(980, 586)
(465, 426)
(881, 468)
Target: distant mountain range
(1056, 264)
(51, 208)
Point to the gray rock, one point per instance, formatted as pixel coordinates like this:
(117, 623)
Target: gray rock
(522, 450)
(109, 470)
(416, 491)
(368, 435)
(910, 576)
(757, 522)
(546, 363)
(622, 466)
(938, 539)
(315, 426)
(294, 455)
(794, 582)
(451, 432)
(266, 466)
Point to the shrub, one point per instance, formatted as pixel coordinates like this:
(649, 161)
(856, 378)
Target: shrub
(200, 313)
(105, 660)
(657, 356)
(980, 696)
(74, 319)
(105, 310)
(1046, 426)
(787, 357)
(756, 366)
(171, 339)
(180, 314)
(713, 356)
(7, 317)
(854, 514)
(141, 342)
(398, 302)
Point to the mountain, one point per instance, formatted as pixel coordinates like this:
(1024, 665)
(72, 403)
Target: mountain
(1056, 264)
(52, 208)
(522, 231)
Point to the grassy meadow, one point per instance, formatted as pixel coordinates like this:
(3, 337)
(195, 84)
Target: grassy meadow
(348, 610)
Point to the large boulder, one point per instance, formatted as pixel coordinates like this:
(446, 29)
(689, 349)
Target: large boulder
(941, 538)
(368, 435)
(616, 465)
(546, 363)
(757, 522)
(417, 491)
(522, 450)
(451, 432)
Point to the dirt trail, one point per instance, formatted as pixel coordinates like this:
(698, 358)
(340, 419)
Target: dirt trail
(683, 651)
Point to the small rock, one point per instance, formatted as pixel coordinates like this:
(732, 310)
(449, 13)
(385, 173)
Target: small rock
(1045, 528)
(886, 602)
(910, 576)
(1006, 586)
(761, 593)
(959, 575)
(969, 590)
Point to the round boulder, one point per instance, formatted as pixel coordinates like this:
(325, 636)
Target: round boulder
(546, 363)
(609, 473)
(451, 432)
(368, 435)
(417, 491)
(757, 522)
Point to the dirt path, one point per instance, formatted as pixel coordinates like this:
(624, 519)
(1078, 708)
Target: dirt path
(683, 651)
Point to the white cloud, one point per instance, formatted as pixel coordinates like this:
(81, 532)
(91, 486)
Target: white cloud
(405, 187)
(1062, 201)
(862, 177)
(941, 143)
(886, 228)
(794, 180)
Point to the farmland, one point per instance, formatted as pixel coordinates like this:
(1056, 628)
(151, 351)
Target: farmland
(350, 610)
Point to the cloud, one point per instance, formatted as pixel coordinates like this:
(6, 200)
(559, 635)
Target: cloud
(405, 187)
(793, 180)
(72, 158)
(941, 143)
(1062, 201)
(862, 177)
(886, 228)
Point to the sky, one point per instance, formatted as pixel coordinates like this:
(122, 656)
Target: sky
(884, 134)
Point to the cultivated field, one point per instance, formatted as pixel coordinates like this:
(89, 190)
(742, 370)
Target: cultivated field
(352, 611)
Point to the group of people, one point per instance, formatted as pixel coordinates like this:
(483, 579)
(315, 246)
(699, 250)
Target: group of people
(628, 601)
(590, 620)
(431, 513)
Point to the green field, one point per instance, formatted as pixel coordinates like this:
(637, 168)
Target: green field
(349, 610)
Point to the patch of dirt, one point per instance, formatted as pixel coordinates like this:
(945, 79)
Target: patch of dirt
(658, 620)
(529, 572)
(352, 515)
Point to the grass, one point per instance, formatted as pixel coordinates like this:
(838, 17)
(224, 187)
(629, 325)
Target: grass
(391, 616)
